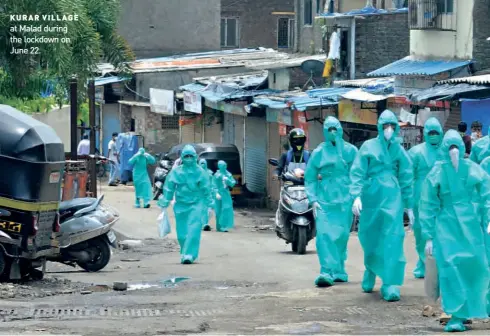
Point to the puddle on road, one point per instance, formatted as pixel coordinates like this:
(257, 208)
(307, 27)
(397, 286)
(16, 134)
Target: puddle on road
(167, 283)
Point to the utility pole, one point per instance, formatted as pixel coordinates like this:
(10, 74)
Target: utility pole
(73, 118)
(92, 161)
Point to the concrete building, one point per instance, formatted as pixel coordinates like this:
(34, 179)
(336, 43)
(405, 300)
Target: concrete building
(253, 23)
(370, 37)
(447, 40)
(155, 28)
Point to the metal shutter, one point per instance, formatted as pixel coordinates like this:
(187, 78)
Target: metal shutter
(228, 129)
(187, 134)
(274, 151)
(239, 133)
(255, 154)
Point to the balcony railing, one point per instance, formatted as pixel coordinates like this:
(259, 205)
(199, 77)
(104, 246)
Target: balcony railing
(432, 15)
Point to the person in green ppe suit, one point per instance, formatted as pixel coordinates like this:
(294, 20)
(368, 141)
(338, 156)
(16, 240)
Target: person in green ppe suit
(481, 149)
(223, 182)
(204, 165)
(141, 180)
(190, 185)
(423, 158)
(332, 161)
(382, 187)
(452, 229)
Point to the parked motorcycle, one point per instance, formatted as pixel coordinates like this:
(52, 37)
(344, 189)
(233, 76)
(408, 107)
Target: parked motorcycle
(161, 172)
(296, 213)
(85, 236)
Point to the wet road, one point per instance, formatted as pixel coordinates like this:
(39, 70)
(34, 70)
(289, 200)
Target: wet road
(246, 282)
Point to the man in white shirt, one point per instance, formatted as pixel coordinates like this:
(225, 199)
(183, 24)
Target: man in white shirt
(113, 156)
(84, 146)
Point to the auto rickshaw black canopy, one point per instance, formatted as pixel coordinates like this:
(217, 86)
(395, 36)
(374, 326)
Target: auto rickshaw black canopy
(32, 161)
(23, 137)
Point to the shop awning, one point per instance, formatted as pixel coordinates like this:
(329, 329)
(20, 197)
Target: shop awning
(410, 66)
(449, 92)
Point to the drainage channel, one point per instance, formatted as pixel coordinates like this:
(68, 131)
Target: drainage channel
(7, 315)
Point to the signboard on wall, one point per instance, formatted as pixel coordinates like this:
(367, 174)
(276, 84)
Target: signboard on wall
(350, 111)
(192, 102)
(162, 101)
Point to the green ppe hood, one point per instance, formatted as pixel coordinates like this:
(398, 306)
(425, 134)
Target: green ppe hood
(452, 138)
(329, 123)
(432, 124)
(388, 117)
(203, 163)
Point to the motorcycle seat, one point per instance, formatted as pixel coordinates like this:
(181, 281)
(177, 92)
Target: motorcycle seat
(68, 208)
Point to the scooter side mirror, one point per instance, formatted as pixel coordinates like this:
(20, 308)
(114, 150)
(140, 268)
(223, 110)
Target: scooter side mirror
(273, 162)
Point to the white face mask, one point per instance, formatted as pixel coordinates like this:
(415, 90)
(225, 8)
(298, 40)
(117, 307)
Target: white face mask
(454, 155)
(388, 133)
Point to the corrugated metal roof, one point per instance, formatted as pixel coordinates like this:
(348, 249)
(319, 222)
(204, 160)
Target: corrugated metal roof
(293, 61)
(410, 66)
(365, 82)
(108, 80)
(446, 91)
(242, 81)
(479, 80)
(215, 59)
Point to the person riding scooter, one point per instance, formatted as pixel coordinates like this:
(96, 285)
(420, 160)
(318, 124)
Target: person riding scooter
(295, 158)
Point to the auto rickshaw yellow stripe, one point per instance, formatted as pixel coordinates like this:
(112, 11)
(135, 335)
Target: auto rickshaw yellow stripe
(28, 206)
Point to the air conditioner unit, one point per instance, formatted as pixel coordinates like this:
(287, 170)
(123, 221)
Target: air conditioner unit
(427, 14)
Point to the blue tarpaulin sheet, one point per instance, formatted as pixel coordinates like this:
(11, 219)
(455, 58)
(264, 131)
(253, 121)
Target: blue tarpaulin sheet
(473, 110)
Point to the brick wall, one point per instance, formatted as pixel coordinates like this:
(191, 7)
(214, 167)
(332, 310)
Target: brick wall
(258, 27)
(481, 31)
(380, 40)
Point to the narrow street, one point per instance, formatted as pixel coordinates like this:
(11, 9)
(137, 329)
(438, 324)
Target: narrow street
(246, 282)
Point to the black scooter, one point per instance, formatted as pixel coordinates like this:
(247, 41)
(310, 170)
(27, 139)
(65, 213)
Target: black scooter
(160, 174)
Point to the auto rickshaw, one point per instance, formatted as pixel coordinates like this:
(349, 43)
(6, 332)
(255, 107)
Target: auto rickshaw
(214, 153)
(32, 162)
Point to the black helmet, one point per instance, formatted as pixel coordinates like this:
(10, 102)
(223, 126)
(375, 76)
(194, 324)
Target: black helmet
(297, 139)
(462, 127)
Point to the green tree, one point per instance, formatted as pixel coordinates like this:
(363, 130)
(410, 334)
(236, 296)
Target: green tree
(93, 39)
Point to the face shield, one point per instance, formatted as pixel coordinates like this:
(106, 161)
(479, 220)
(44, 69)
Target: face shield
(332, 134)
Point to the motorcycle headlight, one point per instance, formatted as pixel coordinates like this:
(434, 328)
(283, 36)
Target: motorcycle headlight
(301, 207)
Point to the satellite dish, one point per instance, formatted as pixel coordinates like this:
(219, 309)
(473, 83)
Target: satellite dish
(314, 68)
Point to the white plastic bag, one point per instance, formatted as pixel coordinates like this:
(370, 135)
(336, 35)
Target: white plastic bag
(431, 281)
(163, 224)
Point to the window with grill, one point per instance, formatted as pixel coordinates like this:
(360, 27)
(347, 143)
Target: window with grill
(308, 13)
(170, 122)
(432, 14)
(230, 32)
(285, 33)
